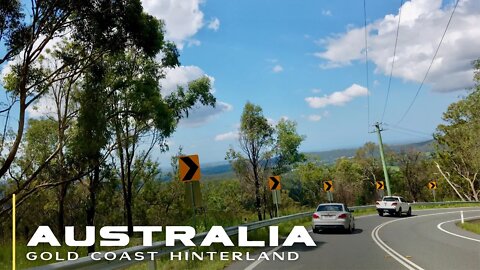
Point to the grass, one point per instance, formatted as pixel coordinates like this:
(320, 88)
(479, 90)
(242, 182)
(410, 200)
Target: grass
(472, 226)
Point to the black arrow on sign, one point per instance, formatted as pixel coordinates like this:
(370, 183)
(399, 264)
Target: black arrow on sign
(329, 186)
(192, 168)
(275, 183)
(380, 185)
(433, 185)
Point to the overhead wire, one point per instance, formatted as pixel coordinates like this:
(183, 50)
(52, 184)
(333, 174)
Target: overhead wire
(409, 130)
(393, 61)
(430, 66)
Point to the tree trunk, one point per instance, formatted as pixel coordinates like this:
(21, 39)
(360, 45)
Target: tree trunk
(61, 210)
(92, 202)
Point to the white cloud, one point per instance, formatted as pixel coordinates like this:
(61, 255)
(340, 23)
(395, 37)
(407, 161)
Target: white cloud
(339, 98)
(277, 69)
(228, 136)
(201, 115)
(422, 24)
(314, 117)
(181, 76)
(214, 24)
(183, 19)
(326, 12)
(316, 90)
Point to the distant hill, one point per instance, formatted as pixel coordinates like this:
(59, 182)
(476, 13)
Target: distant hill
(332, 155)
(223, 170)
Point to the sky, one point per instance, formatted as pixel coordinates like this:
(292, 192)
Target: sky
(305, 61)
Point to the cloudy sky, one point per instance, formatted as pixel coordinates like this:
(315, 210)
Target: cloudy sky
(305, 60)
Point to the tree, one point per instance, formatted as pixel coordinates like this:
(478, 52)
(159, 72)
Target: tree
(141, 115)
(94, 27)
(261, 145)
(458, 150)
(287, 143)
(415, 168)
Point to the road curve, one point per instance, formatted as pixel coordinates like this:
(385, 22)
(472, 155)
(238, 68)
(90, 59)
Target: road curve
(427, 240)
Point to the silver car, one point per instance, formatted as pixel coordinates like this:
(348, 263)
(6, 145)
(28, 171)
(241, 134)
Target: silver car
(333, 216)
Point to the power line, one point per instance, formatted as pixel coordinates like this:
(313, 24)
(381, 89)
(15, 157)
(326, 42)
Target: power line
(431, 63)
(409, 130)
(393, 60)
(366, 62)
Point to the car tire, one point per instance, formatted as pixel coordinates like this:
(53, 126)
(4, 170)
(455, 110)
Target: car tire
(409, 213)
(349, 229)
(380, 213)
(316, 231)
(399, 213)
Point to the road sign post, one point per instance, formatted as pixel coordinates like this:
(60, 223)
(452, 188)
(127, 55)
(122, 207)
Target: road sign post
(276, 200)
(432, 185)
(328, 187)
(189, 173)
(380, 186)
(275, 187)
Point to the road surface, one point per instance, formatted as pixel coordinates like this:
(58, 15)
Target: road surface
(427, 240)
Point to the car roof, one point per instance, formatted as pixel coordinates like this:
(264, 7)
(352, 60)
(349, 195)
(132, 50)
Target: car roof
(331, 204)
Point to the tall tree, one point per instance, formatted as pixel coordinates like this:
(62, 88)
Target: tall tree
(97, 27)
(256, 139)
(458, 151)
(261, 146)
(141, 115)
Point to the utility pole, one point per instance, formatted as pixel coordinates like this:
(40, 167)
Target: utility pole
(380, 143)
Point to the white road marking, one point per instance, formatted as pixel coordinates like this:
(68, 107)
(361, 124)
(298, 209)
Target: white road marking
(256, 263)
(439, 226)
(390, 251)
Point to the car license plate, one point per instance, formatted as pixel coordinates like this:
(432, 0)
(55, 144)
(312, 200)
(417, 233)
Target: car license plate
(328, 217)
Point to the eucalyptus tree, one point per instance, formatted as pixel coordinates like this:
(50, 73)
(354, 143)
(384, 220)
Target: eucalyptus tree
(28, 31)
(262, 145)
(458, 151)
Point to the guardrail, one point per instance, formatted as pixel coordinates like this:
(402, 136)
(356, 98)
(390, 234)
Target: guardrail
(161, 249)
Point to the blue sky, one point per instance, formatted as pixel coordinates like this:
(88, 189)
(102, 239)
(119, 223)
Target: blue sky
(279, 53)
(304, 60)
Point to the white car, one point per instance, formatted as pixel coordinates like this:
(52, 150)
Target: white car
(333, 216)
(394, 205)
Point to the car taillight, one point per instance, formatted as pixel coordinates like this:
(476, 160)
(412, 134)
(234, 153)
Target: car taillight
(343, 216)
(394, 203)
(315, 216)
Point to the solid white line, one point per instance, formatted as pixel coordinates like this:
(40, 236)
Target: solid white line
(254, 264)
(390, 251)
(439, 226)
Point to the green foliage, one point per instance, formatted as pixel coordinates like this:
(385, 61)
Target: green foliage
(458, 151)
(287, 143)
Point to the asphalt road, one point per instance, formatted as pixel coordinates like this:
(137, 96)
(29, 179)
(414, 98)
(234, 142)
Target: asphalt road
(427, 240)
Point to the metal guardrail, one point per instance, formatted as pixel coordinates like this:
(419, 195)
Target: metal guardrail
(161, 249)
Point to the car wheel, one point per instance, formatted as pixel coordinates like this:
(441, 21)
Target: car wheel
(399, 213)
(409, 213)
(316, 231)
(380, 213)
(349, 229)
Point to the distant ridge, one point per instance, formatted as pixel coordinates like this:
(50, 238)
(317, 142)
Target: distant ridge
(223, 170)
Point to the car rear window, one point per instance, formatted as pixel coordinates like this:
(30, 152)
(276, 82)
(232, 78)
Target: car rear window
(390, 199)
(329, 208)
